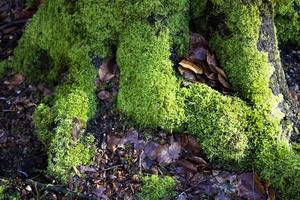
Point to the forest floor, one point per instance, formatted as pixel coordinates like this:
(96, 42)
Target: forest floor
(123, 152)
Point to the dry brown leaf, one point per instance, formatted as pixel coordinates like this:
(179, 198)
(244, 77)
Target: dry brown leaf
(107, 70)
(103, 95)
(114, 142)
(224, 82)
(16, 80)
(191, 66)
(198, 54)
(76, 130)
(211, 60)
(250, 187)
(187, 74)
(220, 71)
(188, 165)
(163, 155)
(190, 144)
(212, 76)
(199, 161)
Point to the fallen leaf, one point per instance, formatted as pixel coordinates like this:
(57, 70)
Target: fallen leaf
(220, 71)
(107, 70)
(191, 66)
(212, 76)
(174, 150)
(224, 82)
(104, 95)
(163, 155)
(199, 161)
(190, 144)
(76, 130)
(14, 81)
(114, 142)
(198, 54)
(188, 165)
(150, 150)
(250, 187)
(132, 137)
(211, 61)
(77, 172)
(187, 74)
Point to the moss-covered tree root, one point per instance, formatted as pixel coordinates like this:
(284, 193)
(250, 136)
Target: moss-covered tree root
(232, 130)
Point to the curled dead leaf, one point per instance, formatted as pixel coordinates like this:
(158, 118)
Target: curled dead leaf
(191, 66)
(187, 74)
(212, 76)
(224, 82)
(211, 60)
(199, 161)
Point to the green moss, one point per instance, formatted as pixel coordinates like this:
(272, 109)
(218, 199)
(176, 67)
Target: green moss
(66, 153)
(148, 87)
(280, 165)
(247, 68)
(6, 193)
(3, 68)
(287, 21)
(257, 125)
(156, 188)
(198, 15)
(43, 120)
(218, 121)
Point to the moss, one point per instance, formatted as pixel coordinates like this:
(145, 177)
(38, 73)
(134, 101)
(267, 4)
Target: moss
(157, 188)
(198, 15)
(6, 192)
(279, 164)
(259, 121)
(219, 122)
(66, 153)
(3, 68)
(148, 86)
(43, 119)
(32, 3)
(287, 21)
(247, 68)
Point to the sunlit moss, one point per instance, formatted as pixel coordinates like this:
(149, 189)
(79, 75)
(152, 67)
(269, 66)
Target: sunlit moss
(148, 87)
(218, 121)
(157, 188)
(287, 21)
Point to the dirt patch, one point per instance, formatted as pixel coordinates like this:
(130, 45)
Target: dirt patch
(20, 151)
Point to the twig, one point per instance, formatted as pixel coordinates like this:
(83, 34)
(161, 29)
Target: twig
(113, 167)
(184, 192)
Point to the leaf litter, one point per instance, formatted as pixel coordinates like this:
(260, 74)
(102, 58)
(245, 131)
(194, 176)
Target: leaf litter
(200, 66)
